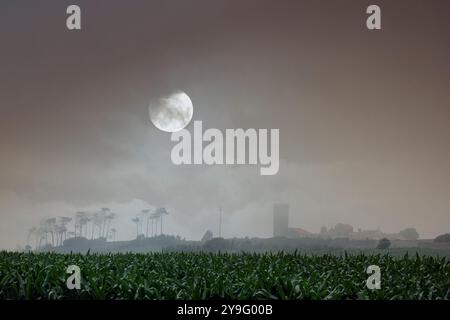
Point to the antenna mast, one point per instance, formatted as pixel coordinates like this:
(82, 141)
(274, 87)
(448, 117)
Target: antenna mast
(220, 222)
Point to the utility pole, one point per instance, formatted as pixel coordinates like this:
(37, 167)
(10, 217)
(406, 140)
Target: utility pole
(220, 222)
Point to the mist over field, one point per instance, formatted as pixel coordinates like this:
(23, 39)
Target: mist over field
(363, 117)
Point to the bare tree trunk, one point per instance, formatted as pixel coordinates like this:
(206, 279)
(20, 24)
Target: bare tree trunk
(103, 227)
(108, 223)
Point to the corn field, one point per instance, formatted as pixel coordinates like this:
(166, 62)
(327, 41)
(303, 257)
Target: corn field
(221, 275)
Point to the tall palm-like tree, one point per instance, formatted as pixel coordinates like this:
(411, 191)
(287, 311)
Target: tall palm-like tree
(81, 220)
(109, 218)
(31, 232)
(63, 222)
(84, 223)
(136, 220)
(94, 222)
(145, 214)
(59, 232)
(113, 234)
(104, 213)
(77, 223)
(46, 228)
(160, 212)
(42, 234)
(50, 224)
(98, 221)
(154, 217)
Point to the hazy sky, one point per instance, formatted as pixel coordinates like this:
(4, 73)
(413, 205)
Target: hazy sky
(363, 115)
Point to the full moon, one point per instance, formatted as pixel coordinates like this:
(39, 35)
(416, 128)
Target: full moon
(171, 113)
